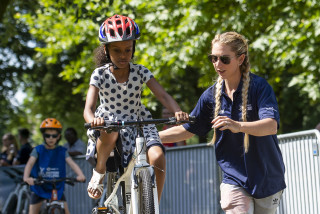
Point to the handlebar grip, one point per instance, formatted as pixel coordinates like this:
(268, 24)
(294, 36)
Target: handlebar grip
(87, 125)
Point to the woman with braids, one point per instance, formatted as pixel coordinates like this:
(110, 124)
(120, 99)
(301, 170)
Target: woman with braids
(242, 109)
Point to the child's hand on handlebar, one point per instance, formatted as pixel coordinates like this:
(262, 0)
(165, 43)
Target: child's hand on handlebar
(29, 181)
(97, 121)
(180, 115)
(81, 178)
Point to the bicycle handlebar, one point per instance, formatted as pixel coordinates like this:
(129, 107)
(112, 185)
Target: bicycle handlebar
(70, 181)
(120, 124)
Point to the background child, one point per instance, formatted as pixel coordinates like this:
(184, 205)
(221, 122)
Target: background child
(9, 149)
(49, 162)
(118, 82)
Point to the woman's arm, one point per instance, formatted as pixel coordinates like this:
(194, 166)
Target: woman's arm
(76, 169)
(27, 171)
(175, 134)
(166, 99)
(262, 127)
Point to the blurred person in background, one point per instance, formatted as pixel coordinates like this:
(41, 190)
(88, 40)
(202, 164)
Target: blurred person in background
(74, 145)
(9, 149)
(25, 149)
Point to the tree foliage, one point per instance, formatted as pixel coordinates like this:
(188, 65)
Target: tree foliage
(176, 38)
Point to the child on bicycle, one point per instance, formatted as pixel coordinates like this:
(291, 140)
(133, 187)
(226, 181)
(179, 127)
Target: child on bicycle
(118, 82)
(49, 162)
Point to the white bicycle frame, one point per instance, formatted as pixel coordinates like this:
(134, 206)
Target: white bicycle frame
(139, 161)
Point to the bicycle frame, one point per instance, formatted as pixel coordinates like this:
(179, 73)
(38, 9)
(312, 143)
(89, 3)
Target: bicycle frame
(54, 203)
(141, 162)
(138, 165)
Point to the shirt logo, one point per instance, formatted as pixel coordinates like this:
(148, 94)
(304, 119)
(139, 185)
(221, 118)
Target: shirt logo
(249, 107)
(270, 108)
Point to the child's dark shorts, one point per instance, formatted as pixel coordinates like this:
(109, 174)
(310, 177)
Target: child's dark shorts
(34, 199)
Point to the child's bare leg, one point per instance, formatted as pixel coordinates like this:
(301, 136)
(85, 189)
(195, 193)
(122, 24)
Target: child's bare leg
(66, 208)
(105, 144)
(35, 208)
(156, 158)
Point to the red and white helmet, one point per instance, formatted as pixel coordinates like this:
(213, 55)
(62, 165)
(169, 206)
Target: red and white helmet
(118, 28)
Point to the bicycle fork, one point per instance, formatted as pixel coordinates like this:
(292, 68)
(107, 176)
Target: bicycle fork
(141, 162)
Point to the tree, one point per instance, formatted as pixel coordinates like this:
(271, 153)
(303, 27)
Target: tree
(15, 62)
(175, 41)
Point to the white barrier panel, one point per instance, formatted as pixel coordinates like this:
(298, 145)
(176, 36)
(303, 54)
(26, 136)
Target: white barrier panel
(192, 181)
(300, 152)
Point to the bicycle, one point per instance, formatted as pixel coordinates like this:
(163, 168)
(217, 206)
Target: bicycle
(18, 200)
(138, 190)
(53, 206)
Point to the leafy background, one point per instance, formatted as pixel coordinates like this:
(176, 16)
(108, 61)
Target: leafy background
(46, 51)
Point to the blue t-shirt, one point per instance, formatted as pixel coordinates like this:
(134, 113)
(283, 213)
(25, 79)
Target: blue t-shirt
(50, 164)
(260, 171)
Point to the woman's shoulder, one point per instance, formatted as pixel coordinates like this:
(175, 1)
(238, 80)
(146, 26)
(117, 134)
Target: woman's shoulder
(258, 80)
(208, 93)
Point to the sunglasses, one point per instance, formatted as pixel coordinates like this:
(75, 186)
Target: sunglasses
(51, 135)
(224, 59)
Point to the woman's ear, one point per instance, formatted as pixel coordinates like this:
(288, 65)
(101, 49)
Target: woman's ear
(241, 59)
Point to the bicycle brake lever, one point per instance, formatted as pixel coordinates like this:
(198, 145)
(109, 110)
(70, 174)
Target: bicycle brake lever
(172, 120)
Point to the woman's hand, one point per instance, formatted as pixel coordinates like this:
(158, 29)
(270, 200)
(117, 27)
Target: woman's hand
(224, 122)
(180, 115)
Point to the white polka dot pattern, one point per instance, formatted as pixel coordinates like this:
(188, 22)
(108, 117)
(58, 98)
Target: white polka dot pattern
(121, 101)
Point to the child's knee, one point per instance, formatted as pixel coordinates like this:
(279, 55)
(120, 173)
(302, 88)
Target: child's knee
(155, 153)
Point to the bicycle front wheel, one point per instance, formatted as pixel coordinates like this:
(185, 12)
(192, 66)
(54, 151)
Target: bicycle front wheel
(146, 198)
(55, 209)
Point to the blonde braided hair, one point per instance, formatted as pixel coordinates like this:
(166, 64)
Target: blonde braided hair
(238, 45)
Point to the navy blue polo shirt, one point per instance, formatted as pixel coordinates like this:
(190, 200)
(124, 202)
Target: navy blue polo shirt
(260, 171)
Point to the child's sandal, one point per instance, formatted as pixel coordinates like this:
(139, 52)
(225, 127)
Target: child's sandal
(95, 184)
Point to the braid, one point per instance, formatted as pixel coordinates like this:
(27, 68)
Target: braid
(239, 46)
(217, 106)
(244, 95)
